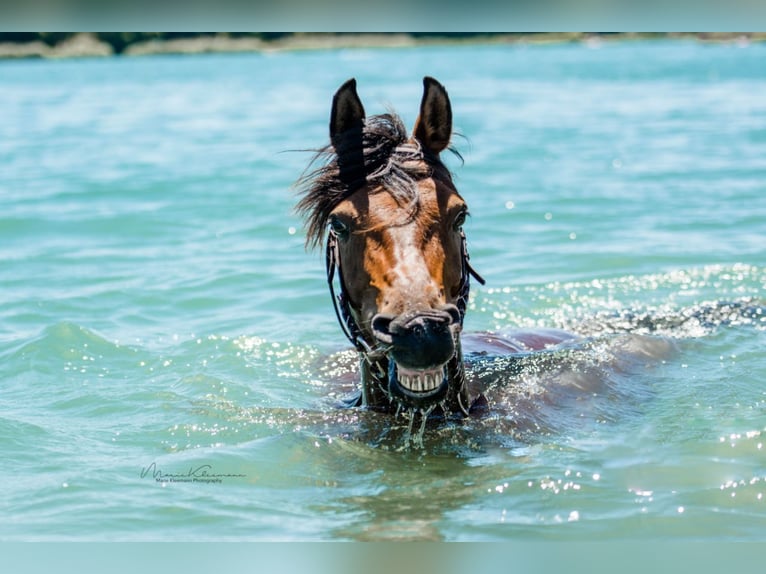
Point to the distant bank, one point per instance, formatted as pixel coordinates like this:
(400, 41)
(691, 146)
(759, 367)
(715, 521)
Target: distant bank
(74, 45)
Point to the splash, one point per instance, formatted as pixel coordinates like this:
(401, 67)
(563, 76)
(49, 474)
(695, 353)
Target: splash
(694, 321)
(416, 440)
(680, 303)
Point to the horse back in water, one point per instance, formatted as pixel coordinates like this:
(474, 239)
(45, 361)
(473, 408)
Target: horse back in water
(392, 223)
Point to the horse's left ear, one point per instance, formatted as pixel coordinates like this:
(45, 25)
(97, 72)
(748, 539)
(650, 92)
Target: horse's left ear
(433, 127)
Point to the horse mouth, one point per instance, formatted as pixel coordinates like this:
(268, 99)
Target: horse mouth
(417, 387)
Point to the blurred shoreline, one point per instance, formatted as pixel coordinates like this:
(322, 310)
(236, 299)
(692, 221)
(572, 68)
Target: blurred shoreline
(86, 44)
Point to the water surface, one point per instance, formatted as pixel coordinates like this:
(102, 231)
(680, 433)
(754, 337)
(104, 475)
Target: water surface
(159, 317)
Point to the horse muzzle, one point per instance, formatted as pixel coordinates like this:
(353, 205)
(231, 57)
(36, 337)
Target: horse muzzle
(420, 344)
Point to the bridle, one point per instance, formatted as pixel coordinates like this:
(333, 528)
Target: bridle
(349, 325)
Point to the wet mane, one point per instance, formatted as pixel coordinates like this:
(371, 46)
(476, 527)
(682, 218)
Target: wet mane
(380, 155)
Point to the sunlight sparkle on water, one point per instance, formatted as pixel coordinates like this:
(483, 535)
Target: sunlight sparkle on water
(574, 516)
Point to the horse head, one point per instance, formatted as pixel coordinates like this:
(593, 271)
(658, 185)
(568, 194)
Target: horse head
(395, 241)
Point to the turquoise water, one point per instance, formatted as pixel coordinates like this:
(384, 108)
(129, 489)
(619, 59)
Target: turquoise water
(163, 333)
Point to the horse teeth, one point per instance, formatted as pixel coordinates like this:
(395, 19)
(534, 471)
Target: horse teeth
(424, 381)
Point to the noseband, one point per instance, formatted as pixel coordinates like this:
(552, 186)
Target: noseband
(340, 301)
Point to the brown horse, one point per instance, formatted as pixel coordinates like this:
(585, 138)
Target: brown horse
(396, 247)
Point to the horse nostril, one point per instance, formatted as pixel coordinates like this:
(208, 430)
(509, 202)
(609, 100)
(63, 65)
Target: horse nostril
(453, 312)
(381, 325)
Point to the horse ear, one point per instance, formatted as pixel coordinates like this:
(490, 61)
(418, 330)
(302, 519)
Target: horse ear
(433, 127)
(347, 110)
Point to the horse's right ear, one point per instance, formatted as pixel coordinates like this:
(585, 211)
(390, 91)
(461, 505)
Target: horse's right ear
(347, 110)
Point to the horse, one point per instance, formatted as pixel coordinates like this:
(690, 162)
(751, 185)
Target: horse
(392, 223)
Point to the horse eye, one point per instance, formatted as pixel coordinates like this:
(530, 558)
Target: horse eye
(460, 220)
(340, 228)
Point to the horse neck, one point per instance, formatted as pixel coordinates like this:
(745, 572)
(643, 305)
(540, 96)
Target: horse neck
(375, 382)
